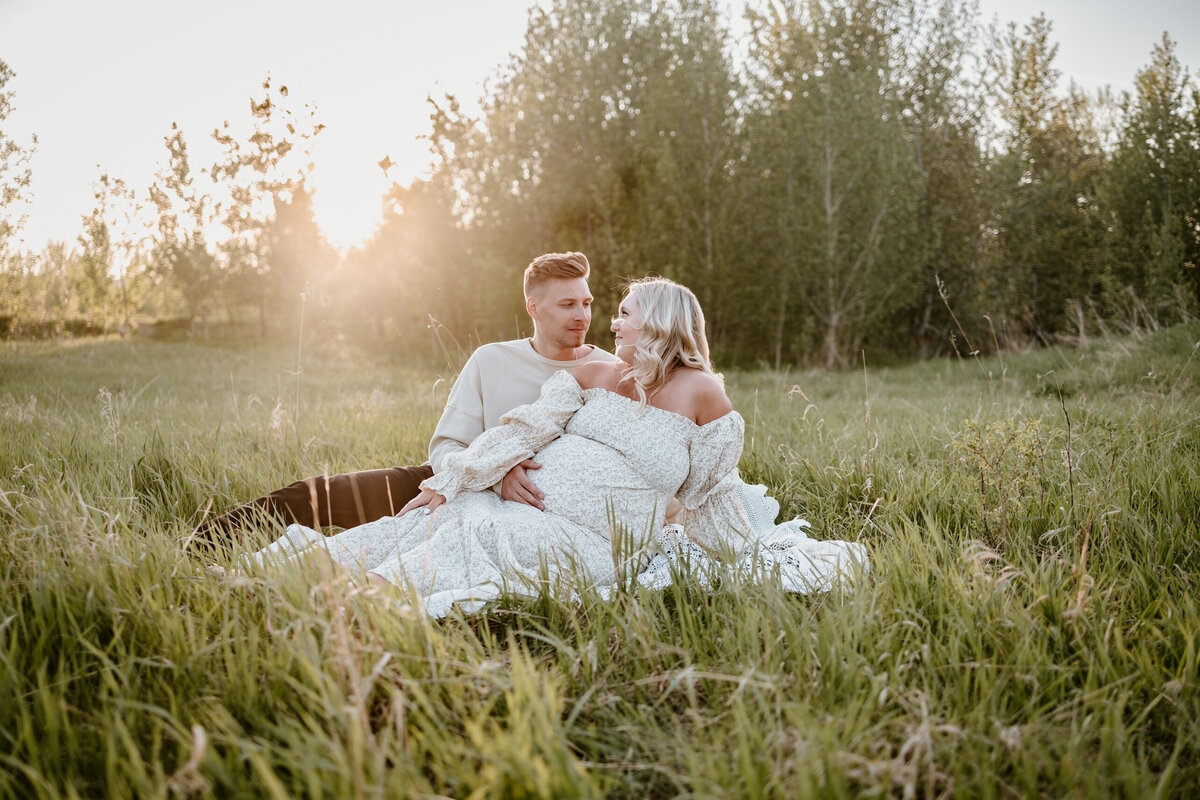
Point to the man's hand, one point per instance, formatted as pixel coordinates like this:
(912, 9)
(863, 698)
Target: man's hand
(517, 487)
(427, 499)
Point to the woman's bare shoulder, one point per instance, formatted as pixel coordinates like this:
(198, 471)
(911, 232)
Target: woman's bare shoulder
(705, 393)
(595, 375)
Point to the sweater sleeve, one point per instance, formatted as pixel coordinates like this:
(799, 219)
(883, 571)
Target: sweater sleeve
(523, 432)
(462, 420)
(712, 513)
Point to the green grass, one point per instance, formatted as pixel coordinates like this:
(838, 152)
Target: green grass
(1029, 626)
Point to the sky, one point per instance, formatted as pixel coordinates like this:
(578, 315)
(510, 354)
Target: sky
(101, 81)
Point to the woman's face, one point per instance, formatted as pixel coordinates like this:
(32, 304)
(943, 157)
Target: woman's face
(627, 326)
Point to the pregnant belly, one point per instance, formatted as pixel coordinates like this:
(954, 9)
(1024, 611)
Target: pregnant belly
(584, 480)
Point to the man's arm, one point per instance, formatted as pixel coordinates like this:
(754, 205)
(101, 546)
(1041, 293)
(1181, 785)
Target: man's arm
(462, 421)
(518, 488)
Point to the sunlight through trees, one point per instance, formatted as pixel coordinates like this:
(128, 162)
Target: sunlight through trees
(888, 175)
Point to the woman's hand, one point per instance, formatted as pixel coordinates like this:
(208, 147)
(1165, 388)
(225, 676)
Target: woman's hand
(427, 499)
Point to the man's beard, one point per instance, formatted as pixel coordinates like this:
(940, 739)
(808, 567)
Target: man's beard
(571, 339)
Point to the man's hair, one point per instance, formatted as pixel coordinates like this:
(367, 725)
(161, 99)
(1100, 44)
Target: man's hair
(555, 265)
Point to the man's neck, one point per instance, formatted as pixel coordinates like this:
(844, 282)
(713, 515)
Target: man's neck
(548, 350)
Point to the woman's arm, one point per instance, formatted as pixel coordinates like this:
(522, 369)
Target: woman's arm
(713, 515)
(523, 432)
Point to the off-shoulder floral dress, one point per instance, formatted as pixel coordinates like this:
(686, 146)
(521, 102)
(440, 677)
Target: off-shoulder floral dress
(607, 463)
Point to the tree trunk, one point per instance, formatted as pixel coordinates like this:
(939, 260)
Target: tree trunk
(831, 340)
(832, 311)
(790, 254)
(709, 266)
(783, 298)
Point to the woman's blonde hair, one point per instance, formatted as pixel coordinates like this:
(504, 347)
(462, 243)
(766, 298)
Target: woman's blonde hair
(672, 335)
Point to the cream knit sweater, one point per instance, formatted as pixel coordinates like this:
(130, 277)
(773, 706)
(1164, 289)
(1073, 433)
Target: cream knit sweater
(497, 378)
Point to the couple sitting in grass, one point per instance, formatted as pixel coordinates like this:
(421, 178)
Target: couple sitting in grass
(619, 456)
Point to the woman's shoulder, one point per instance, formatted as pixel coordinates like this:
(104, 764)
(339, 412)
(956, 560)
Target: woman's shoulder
(596, 375)
(705, 393)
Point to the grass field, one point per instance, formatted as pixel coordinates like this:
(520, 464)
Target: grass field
(1029, 627)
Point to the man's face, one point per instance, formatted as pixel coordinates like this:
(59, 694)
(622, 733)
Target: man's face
(562, 311)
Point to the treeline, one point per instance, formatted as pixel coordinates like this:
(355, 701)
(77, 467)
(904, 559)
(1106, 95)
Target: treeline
(233, 239)
(890, 175)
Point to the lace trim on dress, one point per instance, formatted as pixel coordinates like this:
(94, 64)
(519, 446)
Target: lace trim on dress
(804, 565)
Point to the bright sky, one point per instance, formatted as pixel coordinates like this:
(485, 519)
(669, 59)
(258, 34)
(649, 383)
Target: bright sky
(101, 81)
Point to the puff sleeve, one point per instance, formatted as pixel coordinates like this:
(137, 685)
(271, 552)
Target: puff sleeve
(521, 433)
(712, 514)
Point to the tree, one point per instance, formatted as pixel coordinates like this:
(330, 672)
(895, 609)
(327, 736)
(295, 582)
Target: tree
(14, 170)
(1046, 247)
(942, 105)
(53, 297)
(836, 171)
(180, 252)
(554, 161)
(1153, 190)
(14, 180)
(686, 144)
(92, 281)
(405, 280)
(109, 280)
(16, 275)
(259, 173)
(297, 251)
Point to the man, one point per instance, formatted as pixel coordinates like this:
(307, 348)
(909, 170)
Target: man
(497, 378)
